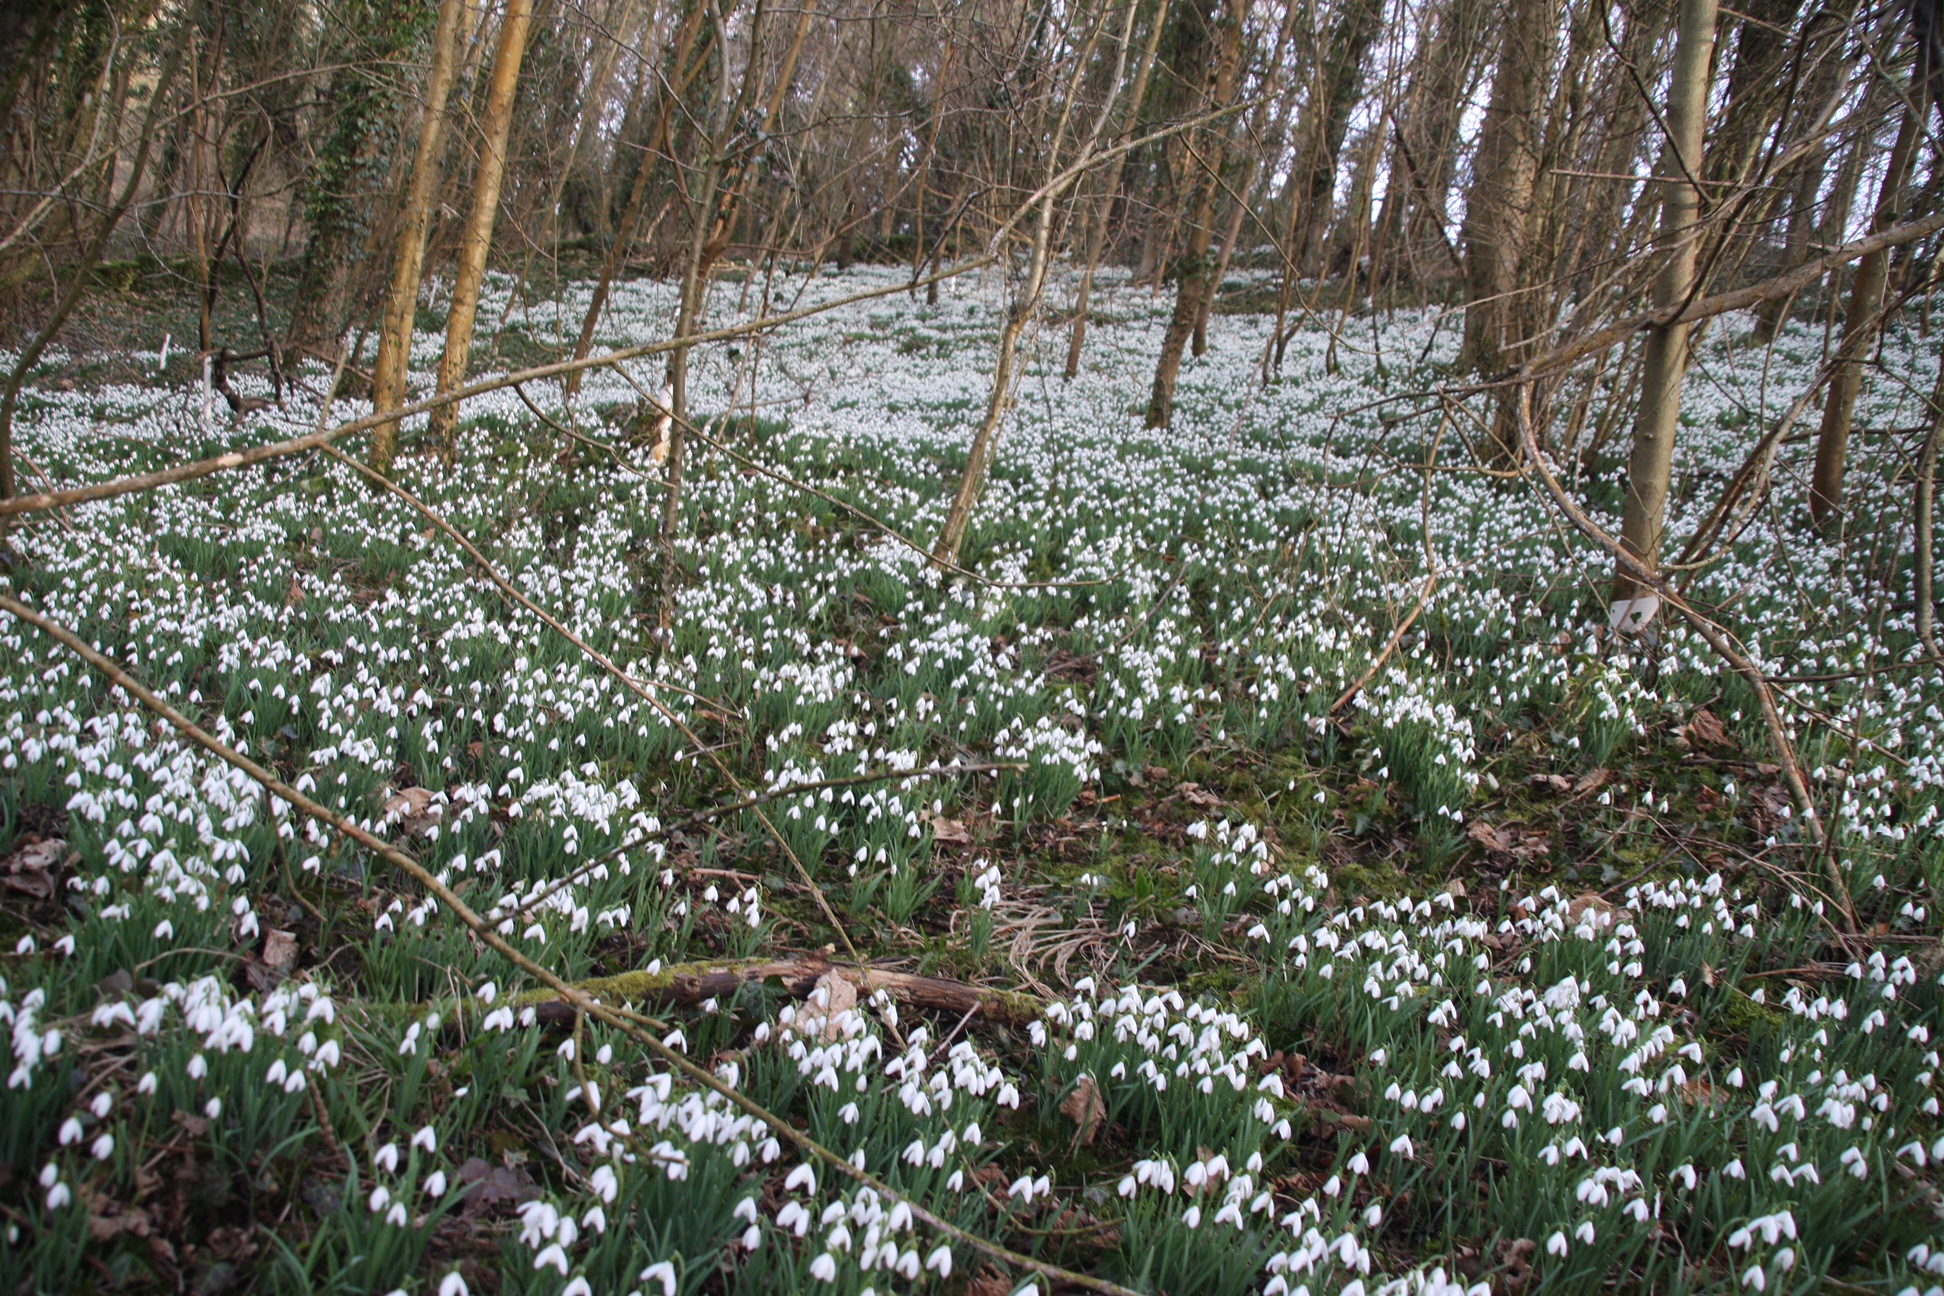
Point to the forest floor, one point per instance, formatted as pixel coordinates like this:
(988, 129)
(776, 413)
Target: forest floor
(1221, 937)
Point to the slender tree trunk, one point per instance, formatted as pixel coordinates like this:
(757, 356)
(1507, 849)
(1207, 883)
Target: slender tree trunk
(683, 47)
(1354, 32)
(1238, 212)
(1832, 441)
(1925, 545)
(1665, 363)
(408, 257)
(1498, 206)
(978, 458)
(1109, 190)
(1193, 270)
(90, 254)
(494, 129)
(705, 244)
(1802, 224)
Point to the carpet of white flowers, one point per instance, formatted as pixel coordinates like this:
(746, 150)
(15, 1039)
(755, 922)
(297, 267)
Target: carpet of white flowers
(1517, 973)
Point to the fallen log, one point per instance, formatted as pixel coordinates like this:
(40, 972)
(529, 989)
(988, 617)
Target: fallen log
(690, 984)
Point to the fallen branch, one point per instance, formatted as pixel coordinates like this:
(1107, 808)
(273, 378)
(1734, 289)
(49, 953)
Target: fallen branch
(690, 984)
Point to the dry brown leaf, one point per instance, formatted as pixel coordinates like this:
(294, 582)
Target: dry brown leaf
(134, 1220)
(840, 996)
(1197, 795)
(1492, 839)
(950, 831)
(1590, 782)
(1558, 783)
(280, 949)
(1517, 1268)
(1085, 1108)
(1706, 730)
(31, 868)
(1606, 915)
(989, 1283)
(491, 1186)
(415, 809)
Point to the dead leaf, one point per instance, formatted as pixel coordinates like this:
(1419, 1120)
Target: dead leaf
(950, 831)
(1590, 782)
(31, 868)
(1492, 839)
(295, 594)
(1515, 840)
(493, 1186)
(415, 809)
(1605, 914)
(134, 1220)
(262, 977)
(1085, 1108)
(280, 949)
(1557, 783)
(989, 1283)
(1063, 665)
(1699, 1092)
(839, 997)
(1706, 730)
(1197, 795)
(1516, 1267)
(1455, 889)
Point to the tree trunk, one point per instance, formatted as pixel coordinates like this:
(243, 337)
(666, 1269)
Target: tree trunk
(1109, 190)
(90, 254)
(494, 129)
(1498, 206)
(951, 538)
(1355, 32)
(1926, 555)
(682, 60)
(1859, 327)
(401, 304)
(1665, 362)
(707, 242)
(1193, 270)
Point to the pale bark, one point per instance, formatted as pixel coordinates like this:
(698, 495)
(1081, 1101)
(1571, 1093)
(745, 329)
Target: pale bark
(1832, 440)
(684, 64)
(1498, 207)
(495, 126)
(1109, 189)
(408, 257)
(951, 538)
(1193, 270)
(1665, 362)
(70, 297)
